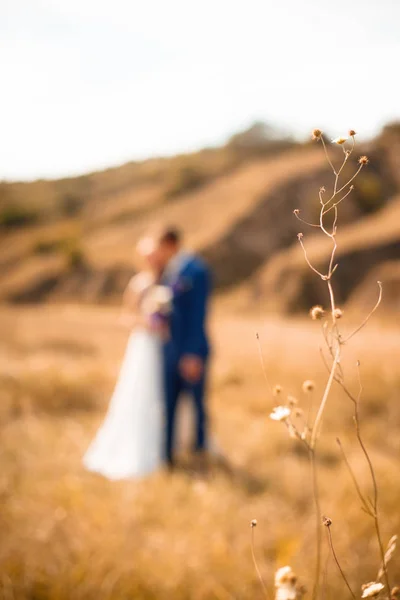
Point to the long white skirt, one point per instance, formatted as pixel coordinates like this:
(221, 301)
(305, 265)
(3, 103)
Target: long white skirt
(129, 443)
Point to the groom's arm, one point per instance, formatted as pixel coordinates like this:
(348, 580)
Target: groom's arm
(193, 350)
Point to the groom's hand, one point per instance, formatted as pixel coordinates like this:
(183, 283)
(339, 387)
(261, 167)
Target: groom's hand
(191, 368)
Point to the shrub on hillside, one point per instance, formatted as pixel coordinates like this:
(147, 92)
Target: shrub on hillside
(74, 253)
(184, 178)
(71, 204)
(14, 215)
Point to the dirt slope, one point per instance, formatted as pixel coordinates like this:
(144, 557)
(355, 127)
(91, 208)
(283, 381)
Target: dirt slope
(368, 250)
(206, 216)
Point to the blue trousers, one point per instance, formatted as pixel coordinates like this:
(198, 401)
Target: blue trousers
(175, 386)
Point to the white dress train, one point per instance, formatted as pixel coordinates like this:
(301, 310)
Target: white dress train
(129, 444)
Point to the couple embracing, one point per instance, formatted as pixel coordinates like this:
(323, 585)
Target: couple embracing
(165, 306)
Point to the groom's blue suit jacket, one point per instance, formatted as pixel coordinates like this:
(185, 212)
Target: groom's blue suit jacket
(191, 288)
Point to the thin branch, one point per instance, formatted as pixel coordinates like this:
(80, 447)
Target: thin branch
(264, 369)
(306, 257)
(339, 201)
(327, 155)
(318, 517)
(296, 214)
(350, 180)
(352, 475)
(368, 316)
(328, 527)
(315, 430)
(374, 502)
(266, 592)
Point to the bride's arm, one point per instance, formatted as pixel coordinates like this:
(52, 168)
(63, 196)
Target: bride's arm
(130, 316)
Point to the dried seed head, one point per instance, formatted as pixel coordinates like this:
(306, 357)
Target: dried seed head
(322, 189)
(299, 412)
(291, 400)
(300, 236)
(372, 589)
(316, 134)
(308, 386)
(253, 523)
(352, 133)
(338, 313)
(340, 140)
(363, 160)
(316, 313)
(277, 390)
(327, 521)
(395, 592)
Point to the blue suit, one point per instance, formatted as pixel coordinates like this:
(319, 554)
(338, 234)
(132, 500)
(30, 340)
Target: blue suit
(191, 288)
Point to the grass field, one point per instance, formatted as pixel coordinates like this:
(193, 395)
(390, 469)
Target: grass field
(68, 534)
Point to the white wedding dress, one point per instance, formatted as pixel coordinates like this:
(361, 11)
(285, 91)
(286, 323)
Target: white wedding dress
(129, 444)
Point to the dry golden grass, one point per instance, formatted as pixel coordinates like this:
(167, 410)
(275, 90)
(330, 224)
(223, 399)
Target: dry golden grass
(67, 534)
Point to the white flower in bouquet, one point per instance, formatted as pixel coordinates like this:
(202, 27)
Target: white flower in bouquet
(158, 301)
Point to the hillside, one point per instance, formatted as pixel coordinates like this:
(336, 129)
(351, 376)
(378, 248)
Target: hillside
(74, 239)
(368, 251)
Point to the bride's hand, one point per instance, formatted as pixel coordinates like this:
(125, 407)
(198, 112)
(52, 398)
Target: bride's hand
(158, 326)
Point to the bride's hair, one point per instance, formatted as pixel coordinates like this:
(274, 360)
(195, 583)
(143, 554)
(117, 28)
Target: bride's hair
(170, 235)
(147, 244)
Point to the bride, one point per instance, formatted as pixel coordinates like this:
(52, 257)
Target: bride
(130, 441)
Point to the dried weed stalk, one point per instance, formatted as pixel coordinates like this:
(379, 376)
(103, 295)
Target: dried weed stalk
(303, 429)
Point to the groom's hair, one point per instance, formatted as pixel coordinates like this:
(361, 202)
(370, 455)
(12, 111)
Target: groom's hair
(171, 235)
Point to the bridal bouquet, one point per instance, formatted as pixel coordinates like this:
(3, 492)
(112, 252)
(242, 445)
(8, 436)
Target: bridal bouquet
(157, 304)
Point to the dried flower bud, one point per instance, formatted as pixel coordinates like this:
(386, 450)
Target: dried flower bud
(316, 134)
(316, 313)
(338, 313)
(277, 390)
(299, 412)
(340, 140)
(308, 385)
(363, 160)
(292, 401)
(253, 523)
(395, 592)
(372, 589)
(300, 236)
(327, 521)
(296, 211)
(322, 189)
(352, 133)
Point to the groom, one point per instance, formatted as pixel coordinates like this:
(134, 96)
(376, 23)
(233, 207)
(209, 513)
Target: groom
(187, 349)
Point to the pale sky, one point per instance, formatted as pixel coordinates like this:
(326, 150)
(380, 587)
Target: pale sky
(88, 84)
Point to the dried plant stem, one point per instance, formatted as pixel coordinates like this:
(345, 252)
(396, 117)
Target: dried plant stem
(334, 342)
(264, 369)
(338, 563)
(371, 468)
(382, 550)
(373, 511)
(318, 517)
(314, 434)
(352, 475)
(368, 316)
(327, 155)
(265, 590)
